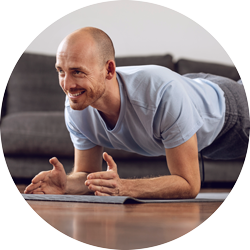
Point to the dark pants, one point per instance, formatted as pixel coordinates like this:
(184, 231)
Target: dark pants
(232, 141)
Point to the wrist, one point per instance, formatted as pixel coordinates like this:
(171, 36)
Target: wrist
(126, 188)
(122, 189)
(75, 184)
(66, 187)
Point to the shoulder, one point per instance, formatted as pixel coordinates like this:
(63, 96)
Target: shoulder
(144, 72)
(145, 85)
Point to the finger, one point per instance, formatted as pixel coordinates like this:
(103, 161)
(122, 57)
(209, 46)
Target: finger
(32, 187)
(38, 190)
(101, 182)
(39, 177)
(101, 194)
(56, 164)
(107, 175)
(105, 190)
(111, 164)
(35, 192)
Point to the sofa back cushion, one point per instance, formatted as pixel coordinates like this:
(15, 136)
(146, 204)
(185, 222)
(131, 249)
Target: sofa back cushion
(184, 66)
(34, 86)
(165, 60)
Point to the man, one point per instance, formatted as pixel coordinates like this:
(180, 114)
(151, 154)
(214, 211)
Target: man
(149, 110)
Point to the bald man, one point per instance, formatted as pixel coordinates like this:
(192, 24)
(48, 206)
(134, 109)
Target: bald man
(149, 110)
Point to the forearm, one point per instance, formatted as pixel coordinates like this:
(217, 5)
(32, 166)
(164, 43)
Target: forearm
(164, 187)
(76, 184)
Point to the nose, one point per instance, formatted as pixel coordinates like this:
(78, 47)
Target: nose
(67, 82)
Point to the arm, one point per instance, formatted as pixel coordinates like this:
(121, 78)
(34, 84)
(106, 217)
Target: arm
(184, 181)
(86, 161)
(56, 181)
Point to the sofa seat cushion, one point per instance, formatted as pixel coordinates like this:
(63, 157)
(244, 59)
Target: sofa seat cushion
(36, 134)
(122, 155)
(45, 134)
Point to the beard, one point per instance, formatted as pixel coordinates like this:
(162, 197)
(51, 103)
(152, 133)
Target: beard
(88, 98)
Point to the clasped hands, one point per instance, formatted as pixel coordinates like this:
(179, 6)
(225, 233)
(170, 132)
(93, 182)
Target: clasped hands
(105, 183)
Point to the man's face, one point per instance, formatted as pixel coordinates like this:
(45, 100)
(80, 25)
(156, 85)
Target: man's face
(80, 75)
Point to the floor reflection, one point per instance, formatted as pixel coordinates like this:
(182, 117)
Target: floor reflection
(134, 226)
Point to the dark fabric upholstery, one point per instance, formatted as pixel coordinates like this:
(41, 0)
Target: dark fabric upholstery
(124, 155)
(33, 85)
(184, 66)
(36, 134)
(26, 167)
(45, 134)
(166, 61)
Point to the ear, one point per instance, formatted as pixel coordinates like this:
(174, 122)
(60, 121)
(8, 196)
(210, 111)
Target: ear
(110, 68)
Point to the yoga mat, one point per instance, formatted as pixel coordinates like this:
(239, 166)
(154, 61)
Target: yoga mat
(201, 197)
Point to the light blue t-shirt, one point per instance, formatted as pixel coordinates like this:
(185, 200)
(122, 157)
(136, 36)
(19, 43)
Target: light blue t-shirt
(159, 109)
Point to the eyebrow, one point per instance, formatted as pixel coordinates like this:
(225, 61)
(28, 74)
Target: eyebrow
(73, 68)
(77, 68)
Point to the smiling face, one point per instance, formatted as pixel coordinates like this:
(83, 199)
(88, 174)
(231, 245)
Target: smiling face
(81, 75)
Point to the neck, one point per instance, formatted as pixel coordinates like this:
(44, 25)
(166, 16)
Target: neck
(109, 105)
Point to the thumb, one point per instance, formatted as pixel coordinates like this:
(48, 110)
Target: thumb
(111, 164)
(56, 164)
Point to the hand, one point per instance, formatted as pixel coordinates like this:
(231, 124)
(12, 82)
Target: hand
(106, 183)
(49, 182)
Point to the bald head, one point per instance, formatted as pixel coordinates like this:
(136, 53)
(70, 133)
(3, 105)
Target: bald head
(95, 39)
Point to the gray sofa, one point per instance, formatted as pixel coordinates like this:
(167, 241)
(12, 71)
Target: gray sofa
(33, 128)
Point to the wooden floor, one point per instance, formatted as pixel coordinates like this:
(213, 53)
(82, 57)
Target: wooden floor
(130, 226)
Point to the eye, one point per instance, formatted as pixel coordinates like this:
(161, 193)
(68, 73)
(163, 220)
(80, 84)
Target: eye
(59, 71)
(77, 72)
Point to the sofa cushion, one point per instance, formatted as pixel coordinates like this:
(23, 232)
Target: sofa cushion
(128, 156)
(23, 169)
(166, 61)
(36, 134)
(184, 66)
(34, 85)
(44, 134)
(27, 167)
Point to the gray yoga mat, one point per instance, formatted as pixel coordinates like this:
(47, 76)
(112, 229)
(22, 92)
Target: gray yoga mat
(202, 197)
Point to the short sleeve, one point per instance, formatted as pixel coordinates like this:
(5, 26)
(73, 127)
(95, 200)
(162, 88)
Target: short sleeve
(178, 117)
(78, 139)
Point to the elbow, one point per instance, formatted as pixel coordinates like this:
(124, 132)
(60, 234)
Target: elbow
(193, 195)
(194, 191)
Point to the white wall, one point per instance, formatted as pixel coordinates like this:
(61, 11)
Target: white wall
(137, 28)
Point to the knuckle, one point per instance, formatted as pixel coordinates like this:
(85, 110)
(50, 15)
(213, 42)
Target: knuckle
(41, 173)
(114, 185)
